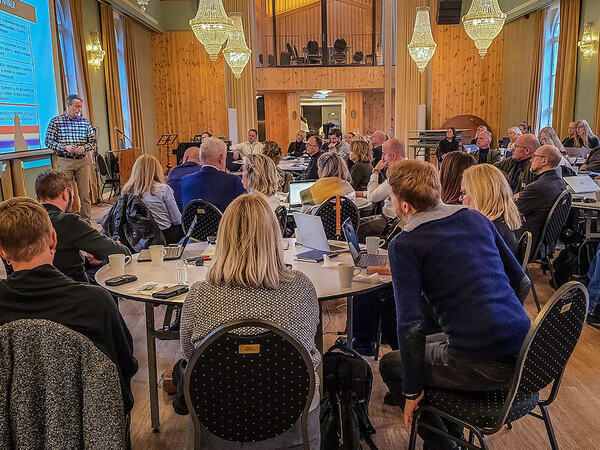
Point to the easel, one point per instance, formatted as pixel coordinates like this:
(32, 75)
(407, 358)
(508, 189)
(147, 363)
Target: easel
(167, 140)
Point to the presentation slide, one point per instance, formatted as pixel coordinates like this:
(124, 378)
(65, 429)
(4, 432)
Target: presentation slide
(27, 79)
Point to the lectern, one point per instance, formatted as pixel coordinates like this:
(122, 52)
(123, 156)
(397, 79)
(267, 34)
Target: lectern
(126, 159)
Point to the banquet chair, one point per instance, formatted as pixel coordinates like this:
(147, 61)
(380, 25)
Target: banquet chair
(107, 180)
(523, 254)
(281, 213)
(339, 51)
(249, 387)
(555, 332)
(313, 54)
(207, 215)
(332, 220)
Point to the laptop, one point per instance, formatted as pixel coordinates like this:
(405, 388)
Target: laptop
(582, 184)
(295, 188)
(313, 236)
(361, 258)
(173, 251)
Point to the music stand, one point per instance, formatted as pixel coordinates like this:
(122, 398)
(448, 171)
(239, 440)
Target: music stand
(167, 140)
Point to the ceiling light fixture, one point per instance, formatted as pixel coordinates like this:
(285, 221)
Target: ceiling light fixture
(211, 26)
(237, 53)
(483, 23)
(422, 46)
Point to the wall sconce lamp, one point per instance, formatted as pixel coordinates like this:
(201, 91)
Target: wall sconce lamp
(95, 51)
(588, 43)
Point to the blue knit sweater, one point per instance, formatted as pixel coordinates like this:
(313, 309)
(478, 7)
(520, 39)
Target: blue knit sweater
(454, 259)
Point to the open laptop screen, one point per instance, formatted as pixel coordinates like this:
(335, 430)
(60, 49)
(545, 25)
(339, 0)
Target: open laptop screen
(295, 188)
(350, 234)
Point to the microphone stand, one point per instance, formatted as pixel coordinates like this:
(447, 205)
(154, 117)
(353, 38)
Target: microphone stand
(124, 135)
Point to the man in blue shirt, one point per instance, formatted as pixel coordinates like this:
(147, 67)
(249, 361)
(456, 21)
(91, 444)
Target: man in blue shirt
(211, 183)
(191, 164)
(450, 260)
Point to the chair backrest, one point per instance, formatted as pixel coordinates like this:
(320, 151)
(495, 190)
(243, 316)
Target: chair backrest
(208, 218)
(114, 164)
(313, 47)
(340, 45)
(557, 218)
(289, 48)
(249, 387)
(58, 389)
(296, 51)
(328, 214)
(281, 213)
(524, 249)
(102, 166)
(549, 345)
(358, 56)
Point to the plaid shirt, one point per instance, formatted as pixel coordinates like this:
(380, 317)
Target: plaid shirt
(64, 130)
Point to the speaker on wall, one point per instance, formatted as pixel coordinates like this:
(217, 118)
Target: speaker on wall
(448, 12)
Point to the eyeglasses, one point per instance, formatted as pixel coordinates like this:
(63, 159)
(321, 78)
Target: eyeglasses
(462, 195)
(538, 156)
(522, 146)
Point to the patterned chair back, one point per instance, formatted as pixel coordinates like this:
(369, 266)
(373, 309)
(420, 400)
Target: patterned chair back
(557, 218)
(524, 249)
(332, 220)
(207, 217)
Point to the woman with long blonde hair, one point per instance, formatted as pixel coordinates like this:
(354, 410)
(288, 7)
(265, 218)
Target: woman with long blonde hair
(147, 181)
(249, 280)
(584, 136)
(484, 188)
(260, 175)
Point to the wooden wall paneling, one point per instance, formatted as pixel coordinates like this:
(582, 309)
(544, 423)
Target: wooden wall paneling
(373, 111)
(462, 82)
(276, 118)
(314, 78)
(354, 111)
(190, 94)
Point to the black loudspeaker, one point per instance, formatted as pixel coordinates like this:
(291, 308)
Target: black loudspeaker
(448, 12)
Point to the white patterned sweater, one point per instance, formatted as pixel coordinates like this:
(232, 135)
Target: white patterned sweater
(293, 306)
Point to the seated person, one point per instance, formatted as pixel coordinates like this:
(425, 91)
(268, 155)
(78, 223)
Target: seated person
(536, 200)
(337, 144)
(484, 154)
(254, 284)
(313, 148)
(378, 138)
(148, 182)
(53, 191)
(211, 183)
(525, 128)
(191, 163)
(547, 136)
(583, 136)
(479, 130)
(252, 145)
(260, 175)
(517, 168)
(298, 147)
(451, 173)
(439, 245)
(513, 134)
(361, 155)
(592, 162)
(485, 189)
(272, 150)
(447, 145)
(37, 290)
(571, 132)
(333, 180)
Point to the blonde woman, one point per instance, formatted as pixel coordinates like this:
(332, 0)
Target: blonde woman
(272, 150)
(148, 181)
(248, 280)
(485, 189)
(260, 175)
(362, 157)
(547, 136)
(333, 180)
(583, 137)
(513, 134)
(297, 148)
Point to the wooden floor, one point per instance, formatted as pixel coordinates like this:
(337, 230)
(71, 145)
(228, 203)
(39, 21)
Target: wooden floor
(575, 413)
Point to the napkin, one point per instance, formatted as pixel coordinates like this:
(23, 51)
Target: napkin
(372, 279)
(328, 263)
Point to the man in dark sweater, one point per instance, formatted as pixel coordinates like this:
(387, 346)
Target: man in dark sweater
(191, 164)
(313, 148)
(37, 290)
(53, 191)
(536, 200)
(452, 261)
(516, 168)
(378, 138)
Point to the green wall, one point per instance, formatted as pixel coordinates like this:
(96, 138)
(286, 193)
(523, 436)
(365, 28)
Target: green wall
(586, 70)
(175, 16)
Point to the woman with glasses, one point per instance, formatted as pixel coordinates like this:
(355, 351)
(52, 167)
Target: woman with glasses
(583, 137)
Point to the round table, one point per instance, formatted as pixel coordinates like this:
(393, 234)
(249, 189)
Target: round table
(326, 282)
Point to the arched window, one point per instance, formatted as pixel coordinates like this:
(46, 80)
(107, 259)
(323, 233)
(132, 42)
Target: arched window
(552, 32)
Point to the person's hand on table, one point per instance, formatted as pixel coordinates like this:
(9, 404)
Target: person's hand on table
(92, 260)
(410, 406)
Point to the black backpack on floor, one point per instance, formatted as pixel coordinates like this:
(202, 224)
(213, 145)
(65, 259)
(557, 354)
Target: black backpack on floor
(347, 383)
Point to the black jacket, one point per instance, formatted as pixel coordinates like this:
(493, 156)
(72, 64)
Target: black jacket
(377, 153)
(296, 148)
(517, 172)
(446, 146)
(73, 235)
(536, 200)
(311, 172)
(132, 223)
(45, 293)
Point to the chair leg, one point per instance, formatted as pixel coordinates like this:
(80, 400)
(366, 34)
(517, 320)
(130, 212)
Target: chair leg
(471, 437)
(378, 336)
(535, 296)
(554, 283)
(549, 427)
(304, 424)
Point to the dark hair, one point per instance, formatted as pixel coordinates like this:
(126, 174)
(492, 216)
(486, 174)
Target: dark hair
(453, 132)
(451, 172)
(335, 131)
(527, 127)
(50, 183)
(318, 140)
(252, 129)
(71, 98)
(206, 132)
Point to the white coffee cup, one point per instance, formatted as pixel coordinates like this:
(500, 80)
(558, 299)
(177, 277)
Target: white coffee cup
(117, 263)
(373, 244)
(347, 271)
(157, 253)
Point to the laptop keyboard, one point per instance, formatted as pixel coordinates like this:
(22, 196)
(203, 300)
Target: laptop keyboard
(373, 260)
(172, 252)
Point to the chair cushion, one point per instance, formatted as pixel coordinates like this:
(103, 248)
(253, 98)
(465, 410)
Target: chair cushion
(479, 408)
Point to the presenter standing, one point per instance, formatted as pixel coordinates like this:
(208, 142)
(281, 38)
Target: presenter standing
(71, 136)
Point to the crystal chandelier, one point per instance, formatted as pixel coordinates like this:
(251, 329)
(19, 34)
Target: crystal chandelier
(422, 46)
(237, 53)
(588, 42)
(483, 23)
(211, 26)
(143, 4)
(95, 50)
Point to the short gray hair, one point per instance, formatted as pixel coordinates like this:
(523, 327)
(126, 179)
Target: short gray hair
(71, 98)
(211, 148)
